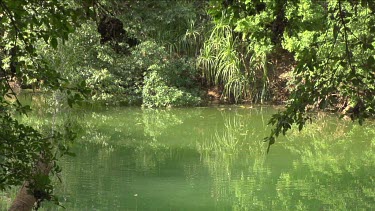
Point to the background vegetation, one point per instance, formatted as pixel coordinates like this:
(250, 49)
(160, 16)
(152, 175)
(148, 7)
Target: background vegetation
(316, 54)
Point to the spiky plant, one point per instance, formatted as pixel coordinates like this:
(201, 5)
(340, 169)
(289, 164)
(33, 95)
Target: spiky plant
(228, 61)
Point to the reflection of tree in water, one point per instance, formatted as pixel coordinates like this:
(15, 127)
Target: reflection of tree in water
(333, 170)
(153, 150)
(231, 152)
(329, 165)
(157, 121)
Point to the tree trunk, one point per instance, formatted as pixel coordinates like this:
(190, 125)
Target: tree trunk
(25, 201)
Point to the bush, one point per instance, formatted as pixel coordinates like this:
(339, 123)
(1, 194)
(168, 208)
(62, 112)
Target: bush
(157, 94)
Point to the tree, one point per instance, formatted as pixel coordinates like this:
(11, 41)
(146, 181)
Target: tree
(140, 55)
(26, 154)
(28, 28)
(332, 43)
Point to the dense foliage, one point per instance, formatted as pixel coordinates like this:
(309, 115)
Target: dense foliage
(332, 43)
(153, 64)
(237, 53)
(71, 47)
(170, 53)
(28, 154)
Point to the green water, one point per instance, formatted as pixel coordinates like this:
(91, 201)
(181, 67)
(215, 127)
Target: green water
(214, 159)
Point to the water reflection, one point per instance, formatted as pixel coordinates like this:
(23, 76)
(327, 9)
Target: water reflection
(214, 159)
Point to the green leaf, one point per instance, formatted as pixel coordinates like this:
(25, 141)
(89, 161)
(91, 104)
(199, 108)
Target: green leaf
(371, 60)
(271, 140)
(45, 37)
(30, 49)
(336, 30)
(53, 42)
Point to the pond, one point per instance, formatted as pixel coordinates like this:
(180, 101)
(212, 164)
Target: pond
(214, 158)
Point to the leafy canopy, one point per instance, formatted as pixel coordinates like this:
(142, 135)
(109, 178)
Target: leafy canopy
(22, 148)
(332, 43)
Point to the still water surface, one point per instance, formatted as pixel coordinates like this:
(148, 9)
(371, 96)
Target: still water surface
(214, 159)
